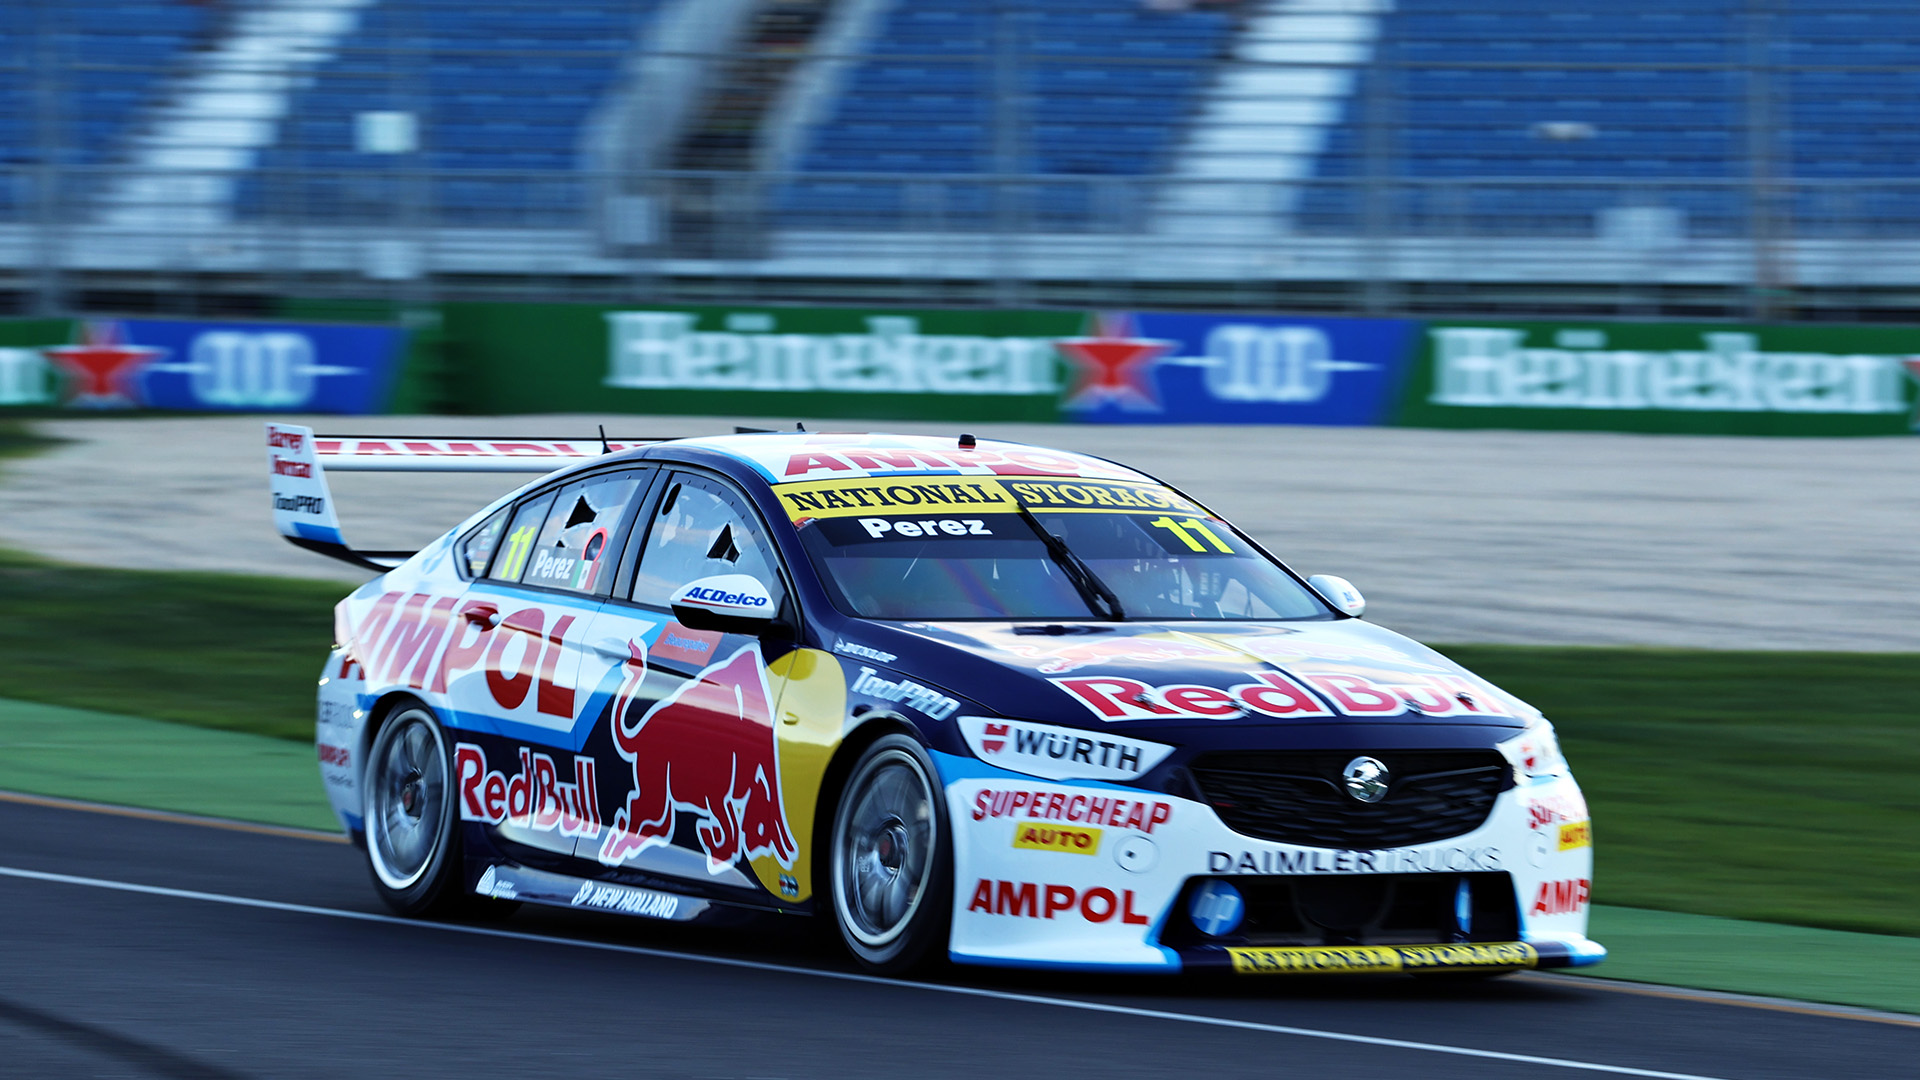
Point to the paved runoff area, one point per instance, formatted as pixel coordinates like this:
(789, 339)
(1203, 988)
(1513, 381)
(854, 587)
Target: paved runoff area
(1454, 536)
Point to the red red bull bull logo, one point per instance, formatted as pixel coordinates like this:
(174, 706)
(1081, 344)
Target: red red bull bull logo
(707, 750)
(538, 798)
(1312, 694)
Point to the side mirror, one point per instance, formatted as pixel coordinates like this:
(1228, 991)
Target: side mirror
(728, 603)
(1340, 593)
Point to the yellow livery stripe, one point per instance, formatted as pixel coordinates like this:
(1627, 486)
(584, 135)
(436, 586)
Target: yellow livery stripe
(893, 495)
(1051, 495)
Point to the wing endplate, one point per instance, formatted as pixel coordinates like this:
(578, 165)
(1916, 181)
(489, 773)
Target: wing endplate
(298, 461)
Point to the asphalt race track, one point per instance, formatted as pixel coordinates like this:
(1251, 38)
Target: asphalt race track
(149, 948)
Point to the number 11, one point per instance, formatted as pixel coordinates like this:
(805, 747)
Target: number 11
(1185, 530)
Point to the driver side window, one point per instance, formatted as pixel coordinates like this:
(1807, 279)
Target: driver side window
(702, 530)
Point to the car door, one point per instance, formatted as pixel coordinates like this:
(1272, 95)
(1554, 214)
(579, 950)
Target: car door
(688, 761)
(519, 667)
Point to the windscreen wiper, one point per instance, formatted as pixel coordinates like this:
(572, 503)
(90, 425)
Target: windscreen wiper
(1091, 588)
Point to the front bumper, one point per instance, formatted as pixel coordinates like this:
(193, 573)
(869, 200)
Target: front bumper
(1087, 875)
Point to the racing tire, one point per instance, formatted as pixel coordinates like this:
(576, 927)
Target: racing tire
(413, 834)
(891, 861)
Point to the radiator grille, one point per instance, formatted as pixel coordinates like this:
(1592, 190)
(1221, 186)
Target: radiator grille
(1298, 798)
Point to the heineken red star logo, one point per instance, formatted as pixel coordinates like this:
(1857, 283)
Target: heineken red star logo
(101, 368)
(1113, 365)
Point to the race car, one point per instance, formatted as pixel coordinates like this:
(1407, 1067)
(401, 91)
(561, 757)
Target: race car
(965, 699)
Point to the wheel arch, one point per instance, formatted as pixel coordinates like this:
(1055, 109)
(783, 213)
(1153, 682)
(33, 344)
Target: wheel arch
(382, 710)
(833, 782)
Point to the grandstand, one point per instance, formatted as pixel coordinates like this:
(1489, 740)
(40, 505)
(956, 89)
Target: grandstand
(1557, 114)
(1356, 154)
(75, 77)
(1056, 88)
(500, 92)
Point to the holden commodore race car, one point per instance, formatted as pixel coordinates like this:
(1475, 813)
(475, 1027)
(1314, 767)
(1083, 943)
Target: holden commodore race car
(962, 699)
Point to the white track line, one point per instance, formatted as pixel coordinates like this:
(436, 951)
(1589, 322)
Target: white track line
(844, 976)
(1722, 997)
(1586, 982)
(172, 817)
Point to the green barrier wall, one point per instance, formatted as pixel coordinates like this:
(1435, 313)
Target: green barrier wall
(1681, 378)
(27, 380)
(424, 385)
(782, 362)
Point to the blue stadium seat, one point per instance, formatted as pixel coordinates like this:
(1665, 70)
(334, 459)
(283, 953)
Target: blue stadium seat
(506, 89)
(108, 59)
(1107, 86)
(1658, 131)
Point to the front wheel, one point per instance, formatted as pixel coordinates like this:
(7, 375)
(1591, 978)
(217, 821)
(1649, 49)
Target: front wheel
(412, 831)
(892, 870)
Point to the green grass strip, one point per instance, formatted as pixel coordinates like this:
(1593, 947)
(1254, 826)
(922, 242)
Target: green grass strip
(18, 440)
(103, 757)
(1768, 786)
(213, 650)
(1867, 970)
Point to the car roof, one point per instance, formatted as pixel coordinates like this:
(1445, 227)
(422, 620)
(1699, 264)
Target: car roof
(792, 456)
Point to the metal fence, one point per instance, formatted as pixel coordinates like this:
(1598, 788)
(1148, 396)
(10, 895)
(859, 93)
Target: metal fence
(1376, 174)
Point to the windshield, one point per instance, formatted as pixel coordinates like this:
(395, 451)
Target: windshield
(972, 548)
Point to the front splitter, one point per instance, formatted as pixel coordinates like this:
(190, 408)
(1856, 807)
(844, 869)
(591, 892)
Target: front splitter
(1480, 957)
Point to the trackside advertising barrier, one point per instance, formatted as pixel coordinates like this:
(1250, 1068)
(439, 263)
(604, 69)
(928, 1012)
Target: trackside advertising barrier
(26, 379)
(1154, 367)
(1704, 379)
(1108, 367)
(970, 366)
(784, 362)
(198, 366)
(1158, 368)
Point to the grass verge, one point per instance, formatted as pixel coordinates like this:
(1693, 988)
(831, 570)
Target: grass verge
(18, 439)
(1800, 962)
(103, 757)
(1764, 786)
(215, 650)
(1769, 786)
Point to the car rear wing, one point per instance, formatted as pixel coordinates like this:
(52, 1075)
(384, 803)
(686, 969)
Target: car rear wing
(298, 461)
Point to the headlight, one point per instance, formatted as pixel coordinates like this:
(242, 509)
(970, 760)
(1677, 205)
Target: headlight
(1535, 752)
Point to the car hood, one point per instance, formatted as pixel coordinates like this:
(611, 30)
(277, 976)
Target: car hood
(1145, 678)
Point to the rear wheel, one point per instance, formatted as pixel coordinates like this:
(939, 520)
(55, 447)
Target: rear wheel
(413, 843)
(891, 865)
